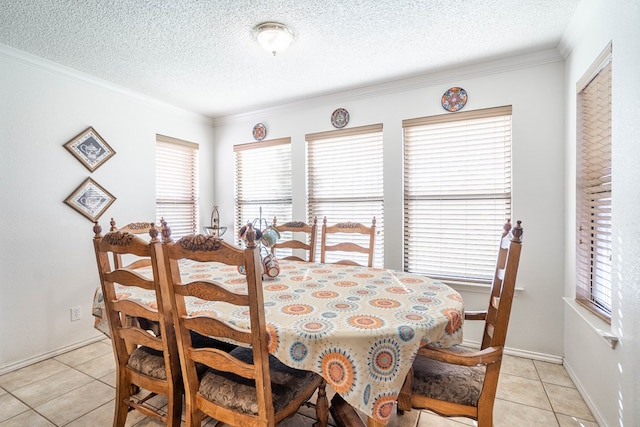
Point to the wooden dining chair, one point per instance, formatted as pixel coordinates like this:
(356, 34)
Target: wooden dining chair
(248, 386)
(138, 228)
(459, 381)
(145, 359)
(297, 227)
(348, 237)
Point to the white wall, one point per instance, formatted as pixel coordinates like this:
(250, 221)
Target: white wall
(609, 379)
(50, 266)
(534, 85)
(47, 263)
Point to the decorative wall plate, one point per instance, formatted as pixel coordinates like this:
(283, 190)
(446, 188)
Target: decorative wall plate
(259, 132)
(340, 118)
(454, 99)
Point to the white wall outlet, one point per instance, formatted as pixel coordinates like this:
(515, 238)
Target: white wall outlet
(75, 313)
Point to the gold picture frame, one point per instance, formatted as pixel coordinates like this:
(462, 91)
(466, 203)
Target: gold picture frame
(90, 149)
(90, 199)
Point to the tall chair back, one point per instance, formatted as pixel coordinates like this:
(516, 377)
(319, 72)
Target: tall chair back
(144, 359)
(459, 381)
(502, 288)
(246, 387)
(348, 237)
(139, 228)
(293, 227)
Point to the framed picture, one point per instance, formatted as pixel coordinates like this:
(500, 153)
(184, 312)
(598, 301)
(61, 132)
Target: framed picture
(90, 149)
(90, 199)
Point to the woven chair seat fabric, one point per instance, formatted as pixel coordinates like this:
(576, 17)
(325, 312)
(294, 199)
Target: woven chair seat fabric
(444, 381)
(239, 393)
(149, 362)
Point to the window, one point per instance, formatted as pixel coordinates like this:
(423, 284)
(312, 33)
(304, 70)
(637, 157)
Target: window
(457, 192)
(263, 182)
(345, 181)
(177, 184)
(593, 194)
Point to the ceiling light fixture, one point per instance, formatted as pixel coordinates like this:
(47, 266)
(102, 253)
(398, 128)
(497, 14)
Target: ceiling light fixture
(273, 36)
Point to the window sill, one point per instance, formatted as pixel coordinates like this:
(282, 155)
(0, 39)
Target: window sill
(601, 327)
(475, 287)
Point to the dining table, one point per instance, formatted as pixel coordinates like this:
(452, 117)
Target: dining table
(358, 327)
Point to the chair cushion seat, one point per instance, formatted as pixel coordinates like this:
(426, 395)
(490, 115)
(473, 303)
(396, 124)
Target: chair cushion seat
(444, 381)
(239, 394)
(149, 362)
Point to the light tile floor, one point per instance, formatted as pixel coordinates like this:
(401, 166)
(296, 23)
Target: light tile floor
(76, 389)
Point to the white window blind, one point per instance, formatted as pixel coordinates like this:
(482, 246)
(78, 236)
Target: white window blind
(457, 192)
(263, 182)
(177, 191)
(593, 166)
(345, 182)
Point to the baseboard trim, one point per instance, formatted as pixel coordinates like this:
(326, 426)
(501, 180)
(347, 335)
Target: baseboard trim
(30, 361)
(585, 396)
(543, 357)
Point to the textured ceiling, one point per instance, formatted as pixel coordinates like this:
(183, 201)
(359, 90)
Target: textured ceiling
(201, 55)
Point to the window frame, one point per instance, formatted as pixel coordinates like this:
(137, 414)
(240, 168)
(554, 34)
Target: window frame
(594, 187)
(363, 162)
(177, 203)
(282, 205)
(449, 239)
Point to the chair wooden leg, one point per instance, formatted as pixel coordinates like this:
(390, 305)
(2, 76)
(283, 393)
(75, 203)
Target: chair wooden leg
(194, 417)
(174, 414)
(322, 406)
(123, 394)
(485, 416)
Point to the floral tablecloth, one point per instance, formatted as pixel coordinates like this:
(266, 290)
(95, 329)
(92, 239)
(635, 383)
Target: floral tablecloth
(360, 328)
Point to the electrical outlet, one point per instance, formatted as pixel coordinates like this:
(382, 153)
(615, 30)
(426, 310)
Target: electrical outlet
(75, 313)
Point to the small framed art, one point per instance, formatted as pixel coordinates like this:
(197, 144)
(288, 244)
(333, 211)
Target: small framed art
(90, 149)
(90, 199)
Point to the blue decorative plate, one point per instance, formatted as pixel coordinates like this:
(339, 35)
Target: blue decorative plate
(340, 118)
(454, 99)
(259, 132)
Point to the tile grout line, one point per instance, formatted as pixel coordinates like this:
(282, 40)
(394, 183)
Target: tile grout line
(546, 393)
(33, 408)
(145, 420)
(29, 407)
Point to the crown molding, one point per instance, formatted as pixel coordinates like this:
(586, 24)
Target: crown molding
(443, 75)
(46, 65)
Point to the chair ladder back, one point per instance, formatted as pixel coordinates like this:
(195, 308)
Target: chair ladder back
(209, 248)
(459, 381)
(503, 287)
(118, 243)
(210, 391)
(131, 228)
(142, 336)
(508, 285)
(347, 246)
(294, 227)
(260, 338)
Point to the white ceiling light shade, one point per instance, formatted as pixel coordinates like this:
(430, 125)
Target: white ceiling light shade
(273, 36)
